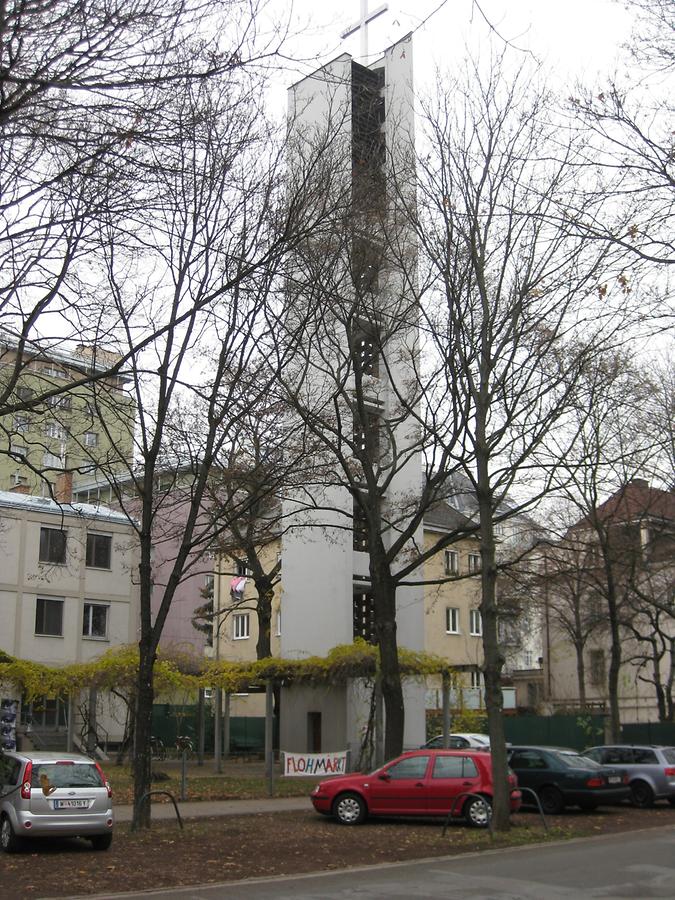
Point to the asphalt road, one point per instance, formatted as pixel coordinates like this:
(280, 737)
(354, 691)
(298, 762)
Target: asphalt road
(634, 865)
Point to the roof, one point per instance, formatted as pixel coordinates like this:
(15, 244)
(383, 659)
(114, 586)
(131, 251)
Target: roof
(442, 515)
(46, 506)
(637, 500)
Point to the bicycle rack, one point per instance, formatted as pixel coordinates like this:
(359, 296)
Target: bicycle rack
(537, 803)
(167, 794)
(451, 814)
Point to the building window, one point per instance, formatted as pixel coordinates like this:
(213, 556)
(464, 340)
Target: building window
(55, 430)
(451, 562)
(598, 670)
(475, 623)
(476, 678)
(452, 620)
(21, 424)
(53, 371)
(59, 401)
(18, 451)
(361, 534)
(241, 626)
(474, 562)
(91, 439)
(95, 621)
(52, 546)
(529, 659)
(24, 393)
(53, 461)
(99, 551)
(49, 617)
(241, 567)
(279, 623)
(363, 617)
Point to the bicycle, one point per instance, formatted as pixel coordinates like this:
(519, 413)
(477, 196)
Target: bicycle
(184, 745)
(157, 748)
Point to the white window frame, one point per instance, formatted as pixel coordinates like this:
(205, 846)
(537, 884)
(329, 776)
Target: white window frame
(53, 460)
(476, 679)
(475, 623)
(452, 620)
(452, 562)
(474, 562)
(90, 439)
(241, 626)
(88, 607)
(55, 430)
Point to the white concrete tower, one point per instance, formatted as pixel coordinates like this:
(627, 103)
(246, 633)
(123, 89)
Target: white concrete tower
(362, 118)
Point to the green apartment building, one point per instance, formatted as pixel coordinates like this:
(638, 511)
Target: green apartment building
(54, 423)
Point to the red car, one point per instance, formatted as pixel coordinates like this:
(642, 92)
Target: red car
(418, 783)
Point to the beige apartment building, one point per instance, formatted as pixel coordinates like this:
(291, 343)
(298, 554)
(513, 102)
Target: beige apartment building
(67, 593)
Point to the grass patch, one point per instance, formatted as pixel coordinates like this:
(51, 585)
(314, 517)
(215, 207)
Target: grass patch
(208, 786)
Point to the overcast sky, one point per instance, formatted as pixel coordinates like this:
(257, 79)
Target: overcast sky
(575, 38)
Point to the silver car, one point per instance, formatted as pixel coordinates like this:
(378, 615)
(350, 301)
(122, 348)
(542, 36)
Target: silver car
(50, 793)
(651, 769)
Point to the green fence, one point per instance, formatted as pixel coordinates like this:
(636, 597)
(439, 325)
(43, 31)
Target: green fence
(247, 733)
(575, 731)
(649, 733)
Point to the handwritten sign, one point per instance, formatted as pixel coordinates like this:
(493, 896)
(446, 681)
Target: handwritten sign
(305, 764)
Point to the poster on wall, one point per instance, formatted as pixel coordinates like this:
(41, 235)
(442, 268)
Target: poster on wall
(9, 711)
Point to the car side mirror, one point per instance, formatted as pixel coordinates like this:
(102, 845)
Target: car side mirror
(384, 776)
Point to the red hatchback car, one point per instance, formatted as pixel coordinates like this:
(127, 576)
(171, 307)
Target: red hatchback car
(418, 783)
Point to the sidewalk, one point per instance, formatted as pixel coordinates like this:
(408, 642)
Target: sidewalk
(192, 809)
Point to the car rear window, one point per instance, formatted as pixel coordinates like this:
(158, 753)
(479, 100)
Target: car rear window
(669, 754)
(454, 767)
(65, 775)
(576, 761)
(644, 757)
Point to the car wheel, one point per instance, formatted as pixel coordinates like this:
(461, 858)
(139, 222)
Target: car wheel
(588, 805)
(349, 809)
(9, 842)
(101, 841)
(478, 812)
(551, 800)
(641, 794)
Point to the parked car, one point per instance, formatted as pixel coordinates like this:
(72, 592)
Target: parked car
(418, 783)
(563, 778)
(61, 794)
(459, 741)
(651, 769)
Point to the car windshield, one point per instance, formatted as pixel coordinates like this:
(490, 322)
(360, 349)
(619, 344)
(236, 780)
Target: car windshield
(576, 760)
(65, 775)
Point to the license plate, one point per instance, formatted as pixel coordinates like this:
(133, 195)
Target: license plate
(71, 804)
(614, 779)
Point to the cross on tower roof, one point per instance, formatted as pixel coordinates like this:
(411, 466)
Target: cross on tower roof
(362, 26)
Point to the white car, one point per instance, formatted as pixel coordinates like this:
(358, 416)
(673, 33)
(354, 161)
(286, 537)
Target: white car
(460, 741)
(50, 793)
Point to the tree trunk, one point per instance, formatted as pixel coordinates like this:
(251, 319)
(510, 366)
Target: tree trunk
(614, 663)
(581, 672)
(493, 657)
(264, 612)
(384, 599)
(142, 733)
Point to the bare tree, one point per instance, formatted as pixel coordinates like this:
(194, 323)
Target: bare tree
(629, 120)
(86, 98)
(513, 309)
(615, 444)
